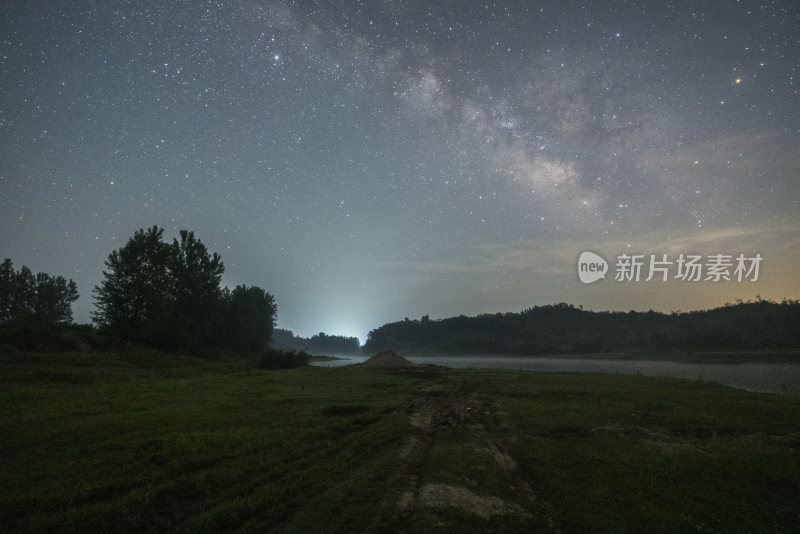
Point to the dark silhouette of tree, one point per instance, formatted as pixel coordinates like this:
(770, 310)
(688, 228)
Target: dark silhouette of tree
(41, 299)
(135, 293)
(194, 290)
(54, 298)
(250, 318)
(169, 296)
(7, 287)
(24, 296)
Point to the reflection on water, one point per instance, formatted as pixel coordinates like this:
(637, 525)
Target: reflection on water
(770, 377)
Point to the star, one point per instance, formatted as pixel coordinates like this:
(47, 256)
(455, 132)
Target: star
(394, 147)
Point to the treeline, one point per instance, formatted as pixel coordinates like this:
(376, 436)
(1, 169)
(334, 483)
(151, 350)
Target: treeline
(35, 309)
(317, 344)
(39, 299)
(164, 295)
(563, 328)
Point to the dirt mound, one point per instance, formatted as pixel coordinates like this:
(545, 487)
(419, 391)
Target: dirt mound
(387, 359)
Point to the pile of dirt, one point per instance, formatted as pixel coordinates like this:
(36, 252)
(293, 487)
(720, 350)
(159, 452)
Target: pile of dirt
(387, 359)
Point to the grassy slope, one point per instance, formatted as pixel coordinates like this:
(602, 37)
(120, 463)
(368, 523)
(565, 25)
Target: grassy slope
(147, 441)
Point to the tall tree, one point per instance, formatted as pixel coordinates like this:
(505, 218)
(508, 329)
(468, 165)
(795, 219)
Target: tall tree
(196, 274)
(195, 289)
(133, 297)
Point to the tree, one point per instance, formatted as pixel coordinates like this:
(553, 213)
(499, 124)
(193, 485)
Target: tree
(195, 287)
(41, 299)
(133, 297)
(24, 296)
(7, 290)
(169, 296)
(250, 318)
(54, 298)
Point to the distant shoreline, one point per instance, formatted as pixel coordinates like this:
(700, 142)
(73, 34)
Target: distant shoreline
(716, 356)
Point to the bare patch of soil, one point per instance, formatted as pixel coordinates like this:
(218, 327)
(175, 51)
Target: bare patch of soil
(444, 496)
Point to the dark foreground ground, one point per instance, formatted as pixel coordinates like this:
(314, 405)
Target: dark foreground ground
(149, 442)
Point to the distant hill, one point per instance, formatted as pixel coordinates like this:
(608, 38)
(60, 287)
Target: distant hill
(563, 328)
(317, 344)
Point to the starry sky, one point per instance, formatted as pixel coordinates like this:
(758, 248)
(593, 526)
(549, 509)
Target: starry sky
(370, 161)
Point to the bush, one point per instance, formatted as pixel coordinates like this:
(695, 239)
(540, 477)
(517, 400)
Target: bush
(283, 359)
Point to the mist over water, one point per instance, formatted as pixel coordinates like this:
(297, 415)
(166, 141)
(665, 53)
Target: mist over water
(751, 376)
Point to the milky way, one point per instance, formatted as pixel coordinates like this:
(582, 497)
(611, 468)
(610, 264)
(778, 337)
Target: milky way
(370, 161)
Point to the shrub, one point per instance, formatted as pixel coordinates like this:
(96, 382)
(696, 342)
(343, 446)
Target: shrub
(283, 359)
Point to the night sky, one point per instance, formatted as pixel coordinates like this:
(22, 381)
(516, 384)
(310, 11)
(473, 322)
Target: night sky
(370, 161)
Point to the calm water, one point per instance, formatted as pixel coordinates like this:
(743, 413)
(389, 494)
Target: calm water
(771, 377)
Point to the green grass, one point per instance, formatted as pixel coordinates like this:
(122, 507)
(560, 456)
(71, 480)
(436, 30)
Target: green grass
(111, 443)
(151, 442)
(635, 454)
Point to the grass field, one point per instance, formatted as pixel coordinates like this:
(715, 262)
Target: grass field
(151, 442)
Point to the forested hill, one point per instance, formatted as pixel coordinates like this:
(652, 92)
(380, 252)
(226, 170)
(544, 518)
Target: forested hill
(563, 328)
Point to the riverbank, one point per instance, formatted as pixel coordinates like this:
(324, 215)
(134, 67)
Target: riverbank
(150, 442)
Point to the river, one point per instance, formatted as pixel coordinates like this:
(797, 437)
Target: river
(755, 376)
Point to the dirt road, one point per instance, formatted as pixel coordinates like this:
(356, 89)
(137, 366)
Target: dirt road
(456, 419)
